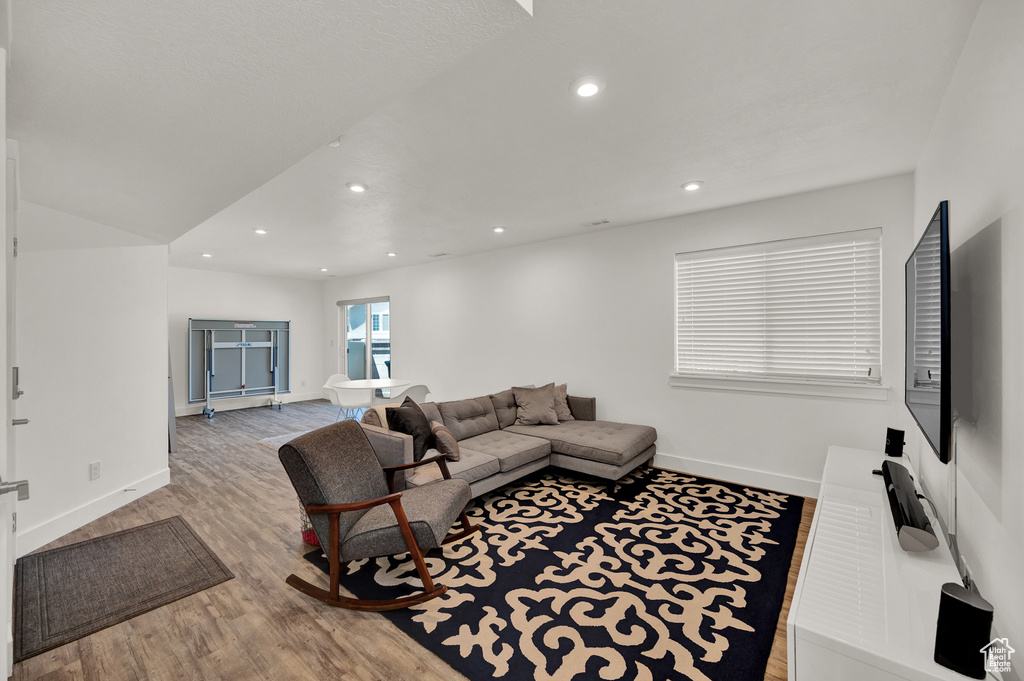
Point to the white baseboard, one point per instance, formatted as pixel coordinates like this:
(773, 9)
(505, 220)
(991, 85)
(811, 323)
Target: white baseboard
(745, 476)
(232, 403)
(32, 538)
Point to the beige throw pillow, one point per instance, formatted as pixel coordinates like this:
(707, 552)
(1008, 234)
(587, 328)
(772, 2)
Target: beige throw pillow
(535, 406)
(562, 410)
(445, 442)
(371, 418)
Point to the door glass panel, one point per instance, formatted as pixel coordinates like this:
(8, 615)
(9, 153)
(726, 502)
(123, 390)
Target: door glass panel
(380, 325)
(355, 343)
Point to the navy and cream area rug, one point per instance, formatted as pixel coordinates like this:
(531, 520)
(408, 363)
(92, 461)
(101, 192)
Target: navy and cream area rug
(664, 576)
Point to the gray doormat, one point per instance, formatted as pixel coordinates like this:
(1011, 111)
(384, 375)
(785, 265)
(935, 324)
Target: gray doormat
(66, 593)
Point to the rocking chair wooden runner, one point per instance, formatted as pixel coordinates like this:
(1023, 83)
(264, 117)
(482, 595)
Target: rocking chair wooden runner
(352, 504)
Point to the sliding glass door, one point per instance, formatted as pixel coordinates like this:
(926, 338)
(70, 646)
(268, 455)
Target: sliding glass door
(366, 339)
(355, 341)
(380, 333)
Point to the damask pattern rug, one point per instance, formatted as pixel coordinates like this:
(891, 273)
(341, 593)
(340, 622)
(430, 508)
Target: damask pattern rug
(663, 576)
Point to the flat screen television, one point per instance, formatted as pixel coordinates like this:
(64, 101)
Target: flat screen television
(928, 395)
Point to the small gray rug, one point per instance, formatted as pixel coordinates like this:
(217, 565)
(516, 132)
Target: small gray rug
(66, 593)
(274, 443)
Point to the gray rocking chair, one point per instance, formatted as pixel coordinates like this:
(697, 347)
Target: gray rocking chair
(356, 513)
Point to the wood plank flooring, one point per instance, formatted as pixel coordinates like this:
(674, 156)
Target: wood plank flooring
(237, 497)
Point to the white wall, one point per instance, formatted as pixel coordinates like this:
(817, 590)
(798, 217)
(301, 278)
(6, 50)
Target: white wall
(92, 347)
(202, 294)
(974, 158)
(49, 229)
(596, 311)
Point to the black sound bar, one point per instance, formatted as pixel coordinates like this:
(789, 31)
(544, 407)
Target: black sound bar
(912, 525)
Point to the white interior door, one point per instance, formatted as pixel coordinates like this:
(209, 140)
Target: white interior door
(7, 552)
(9, 499)
(8, 502)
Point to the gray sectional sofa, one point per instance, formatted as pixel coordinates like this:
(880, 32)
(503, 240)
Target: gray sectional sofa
(495, 451)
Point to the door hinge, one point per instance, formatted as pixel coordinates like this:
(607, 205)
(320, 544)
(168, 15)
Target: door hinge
(15, 247)
(14, 522)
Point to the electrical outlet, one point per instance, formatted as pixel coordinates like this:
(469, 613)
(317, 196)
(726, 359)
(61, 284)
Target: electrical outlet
(94, 470)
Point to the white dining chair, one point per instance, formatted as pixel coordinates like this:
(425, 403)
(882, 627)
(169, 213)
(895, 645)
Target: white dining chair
(417, 392)
(346, 399)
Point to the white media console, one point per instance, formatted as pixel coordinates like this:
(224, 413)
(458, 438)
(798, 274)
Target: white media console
(864, 609)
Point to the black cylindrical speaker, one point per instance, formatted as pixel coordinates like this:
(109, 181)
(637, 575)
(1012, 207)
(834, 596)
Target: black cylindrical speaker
(964, 628)
(893, 442)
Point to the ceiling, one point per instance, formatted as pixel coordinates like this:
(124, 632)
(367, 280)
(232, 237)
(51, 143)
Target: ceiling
(151, 116)
(460, 122)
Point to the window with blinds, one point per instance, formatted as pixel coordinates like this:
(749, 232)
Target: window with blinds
(927, 312)
(801, 309)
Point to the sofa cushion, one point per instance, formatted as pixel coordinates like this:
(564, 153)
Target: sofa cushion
(535, 405)
(466, 418)
(504, 407)
(431, 412)
(511, 450)
(431, 513)
(471, 466)
(605, 441)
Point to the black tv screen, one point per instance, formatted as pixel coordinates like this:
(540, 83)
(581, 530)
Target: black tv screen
(928, 334)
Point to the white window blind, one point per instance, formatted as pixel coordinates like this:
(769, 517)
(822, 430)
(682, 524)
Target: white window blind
(803, 309)
(927, 311)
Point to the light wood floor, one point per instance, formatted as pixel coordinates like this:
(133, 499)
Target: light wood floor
(237, 497)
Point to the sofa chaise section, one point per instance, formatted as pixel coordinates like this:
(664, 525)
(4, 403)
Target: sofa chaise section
(602, 448)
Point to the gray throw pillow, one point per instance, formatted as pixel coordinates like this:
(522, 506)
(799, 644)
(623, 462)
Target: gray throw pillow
(536, 406)
(562, 403)
(372, 418)
(445, 442)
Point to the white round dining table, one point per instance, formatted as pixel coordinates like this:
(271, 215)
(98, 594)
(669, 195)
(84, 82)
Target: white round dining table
(375, 383)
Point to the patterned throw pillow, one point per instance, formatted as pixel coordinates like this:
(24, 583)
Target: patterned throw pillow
(562, 410)
(445, 442)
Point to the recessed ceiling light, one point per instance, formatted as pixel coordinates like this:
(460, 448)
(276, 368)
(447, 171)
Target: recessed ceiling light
(260, 231)
(323, 269)
(587, 86)
(357, 187)
(692, 185)
(499, 230)
(336, 142)
(207, 255)
(391, 255)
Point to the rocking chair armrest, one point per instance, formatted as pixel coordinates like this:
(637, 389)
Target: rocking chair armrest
(414, 464)
(440, 460)
(313, 509)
